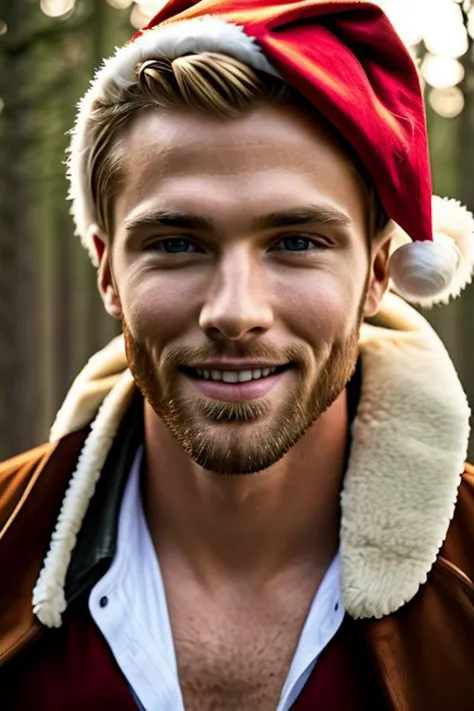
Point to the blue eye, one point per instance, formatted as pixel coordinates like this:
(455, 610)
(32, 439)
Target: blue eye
(173, 245)
(297, 243)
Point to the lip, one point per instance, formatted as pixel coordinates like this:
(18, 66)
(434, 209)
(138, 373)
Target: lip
(236, 392)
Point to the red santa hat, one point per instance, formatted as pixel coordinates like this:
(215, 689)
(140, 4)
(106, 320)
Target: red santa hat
(345, 57)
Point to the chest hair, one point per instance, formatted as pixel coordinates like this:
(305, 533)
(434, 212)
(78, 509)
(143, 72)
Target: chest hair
(235, 654)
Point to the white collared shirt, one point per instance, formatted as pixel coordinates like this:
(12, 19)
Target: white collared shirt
(128, 604)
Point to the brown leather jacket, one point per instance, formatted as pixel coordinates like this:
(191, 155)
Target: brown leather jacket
(424, 653)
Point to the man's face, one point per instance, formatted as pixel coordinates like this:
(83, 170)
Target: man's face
(239, 247)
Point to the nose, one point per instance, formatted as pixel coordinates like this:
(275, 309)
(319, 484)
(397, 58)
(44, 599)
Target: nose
(237, 306)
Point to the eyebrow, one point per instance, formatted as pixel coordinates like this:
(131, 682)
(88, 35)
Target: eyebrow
(311, 214)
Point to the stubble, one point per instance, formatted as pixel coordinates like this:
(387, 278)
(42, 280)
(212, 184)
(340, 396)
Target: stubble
(241, 437)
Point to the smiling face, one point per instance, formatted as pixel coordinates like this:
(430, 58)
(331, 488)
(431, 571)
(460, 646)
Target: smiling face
(239, 246)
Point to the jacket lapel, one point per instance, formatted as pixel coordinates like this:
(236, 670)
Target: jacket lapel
(26, 536)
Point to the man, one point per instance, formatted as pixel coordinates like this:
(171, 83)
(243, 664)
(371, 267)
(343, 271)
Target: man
(252, 505)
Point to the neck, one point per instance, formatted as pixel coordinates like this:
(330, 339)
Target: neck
(254, 525)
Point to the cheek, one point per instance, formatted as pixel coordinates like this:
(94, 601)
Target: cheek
(159, 308)
(320, 307)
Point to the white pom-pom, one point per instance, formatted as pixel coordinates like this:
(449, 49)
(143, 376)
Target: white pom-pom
(456, 221)
(428, 273)
(422, 272)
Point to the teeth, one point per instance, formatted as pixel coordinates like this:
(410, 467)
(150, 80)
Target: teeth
(235, 376)
(230, 376)
(245, 375)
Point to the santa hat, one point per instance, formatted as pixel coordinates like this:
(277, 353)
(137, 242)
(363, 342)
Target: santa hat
(346, 59)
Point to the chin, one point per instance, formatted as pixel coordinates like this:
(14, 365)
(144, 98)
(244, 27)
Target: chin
(234, 460)
(230, 440)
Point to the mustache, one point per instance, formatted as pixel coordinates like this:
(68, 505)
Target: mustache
(171, 357)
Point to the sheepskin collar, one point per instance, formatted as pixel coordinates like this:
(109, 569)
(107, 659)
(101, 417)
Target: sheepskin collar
(409, 442)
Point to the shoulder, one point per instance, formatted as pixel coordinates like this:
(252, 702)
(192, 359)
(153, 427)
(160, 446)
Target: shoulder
(35, 474)
(16, 475)
(458, 547)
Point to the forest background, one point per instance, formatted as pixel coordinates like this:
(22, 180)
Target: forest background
(51, 317)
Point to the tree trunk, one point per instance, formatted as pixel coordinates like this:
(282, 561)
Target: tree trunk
(18, 315)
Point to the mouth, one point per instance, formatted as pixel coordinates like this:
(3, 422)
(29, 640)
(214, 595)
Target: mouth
(237, 384)
(234, 375)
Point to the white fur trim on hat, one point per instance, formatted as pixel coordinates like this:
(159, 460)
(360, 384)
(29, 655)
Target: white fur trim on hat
(206, 34)
(428, 273)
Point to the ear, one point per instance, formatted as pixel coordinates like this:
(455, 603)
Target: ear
(105, 278)
(379, 276)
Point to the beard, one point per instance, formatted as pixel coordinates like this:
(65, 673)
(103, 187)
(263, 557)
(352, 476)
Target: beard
(241, 437)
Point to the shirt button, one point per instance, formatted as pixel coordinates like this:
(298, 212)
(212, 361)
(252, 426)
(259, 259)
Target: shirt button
(104, 601)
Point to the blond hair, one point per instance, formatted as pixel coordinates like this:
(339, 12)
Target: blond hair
(212, 83)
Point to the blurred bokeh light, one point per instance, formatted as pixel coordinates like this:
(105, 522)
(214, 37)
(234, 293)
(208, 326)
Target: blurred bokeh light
(58, 8)
(120, 4)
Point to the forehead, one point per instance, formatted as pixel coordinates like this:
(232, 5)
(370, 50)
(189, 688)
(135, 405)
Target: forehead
(274, 156)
